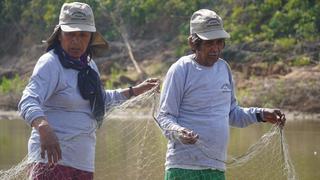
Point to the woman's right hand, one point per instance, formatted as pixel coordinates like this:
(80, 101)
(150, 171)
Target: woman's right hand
(48, 141)
(187, 136)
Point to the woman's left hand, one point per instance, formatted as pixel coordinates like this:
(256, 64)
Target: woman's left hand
(274, 116)
(146, 85)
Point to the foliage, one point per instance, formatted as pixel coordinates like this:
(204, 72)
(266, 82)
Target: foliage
(285, 43)
(301, 61)
(112, 81)
(273, 19)
(14, 85)
(279, 21)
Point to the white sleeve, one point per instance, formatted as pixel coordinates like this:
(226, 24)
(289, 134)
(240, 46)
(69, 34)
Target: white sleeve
(41, 86)
(170, 100)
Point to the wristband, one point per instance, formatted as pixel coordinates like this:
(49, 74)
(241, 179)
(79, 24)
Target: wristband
(259, 117)
(131, 93)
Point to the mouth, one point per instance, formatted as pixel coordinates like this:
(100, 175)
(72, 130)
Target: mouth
(213, 54)
(75, 52)
(75, 49)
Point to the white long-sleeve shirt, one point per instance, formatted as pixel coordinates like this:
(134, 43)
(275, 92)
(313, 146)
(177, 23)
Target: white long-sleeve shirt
(202, 99)
(53, 92)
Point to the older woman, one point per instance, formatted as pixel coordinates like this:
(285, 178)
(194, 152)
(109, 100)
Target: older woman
(64, 101)
(198, 101)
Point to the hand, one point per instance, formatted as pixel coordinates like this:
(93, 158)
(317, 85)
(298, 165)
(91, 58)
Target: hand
(187, 136)
(274, 116)
(146, 85)
(48, 141)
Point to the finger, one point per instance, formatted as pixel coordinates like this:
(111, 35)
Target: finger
(43, 152)
(189, 133)
(50, 156)
(190, 137)
(283, 120)
(278, 113)
(187, 141)
(153, 84)
(58, 149)
(153, 80)
(185, 136)
(184, 131)
(193, 141)
(56, 154)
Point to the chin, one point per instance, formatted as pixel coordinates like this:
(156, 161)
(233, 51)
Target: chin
(214, 60)
(75, 56)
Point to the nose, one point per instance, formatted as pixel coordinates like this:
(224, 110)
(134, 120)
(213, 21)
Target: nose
(76, 39)
(215, 46)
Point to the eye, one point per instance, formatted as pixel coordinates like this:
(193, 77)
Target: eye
(220, 41)
(85, 34)
(67, 34)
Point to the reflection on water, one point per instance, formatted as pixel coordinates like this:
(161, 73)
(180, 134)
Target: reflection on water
(302, 137)
(14, 135)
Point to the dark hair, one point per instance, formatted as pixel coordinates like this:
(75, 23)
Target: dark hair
(195, 41)
(55, 42)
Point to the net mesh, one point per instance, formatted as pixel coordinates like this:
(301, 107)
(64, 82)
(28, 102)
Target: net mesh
(130, 145)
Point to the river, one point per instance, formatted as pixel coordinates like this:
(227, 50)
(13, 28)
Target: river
(303, 139)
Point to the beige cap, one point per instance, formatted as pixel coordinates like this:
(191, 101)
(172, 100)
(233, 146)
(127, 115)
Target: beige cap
(78, 16)
(207, 25)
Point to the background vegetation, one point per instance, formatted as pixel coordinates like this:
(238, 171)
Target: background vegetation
(268, 38)
(285, 22)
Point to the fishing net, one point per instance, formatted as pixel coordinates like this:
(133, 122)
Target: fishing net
(130, 145)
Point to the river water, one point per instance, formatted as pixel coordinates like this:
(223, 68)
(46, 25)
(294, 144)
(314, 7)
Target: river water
(303, 138)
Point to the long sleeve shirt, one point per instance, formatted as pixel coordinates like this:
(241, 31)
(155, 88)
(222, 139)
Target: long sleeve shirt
(53, 92)
(201, 99)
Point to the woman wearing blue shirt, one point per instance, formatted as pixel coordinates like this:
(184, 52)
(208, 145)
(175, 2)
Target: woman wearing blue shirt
(198, 101)
(64, 101)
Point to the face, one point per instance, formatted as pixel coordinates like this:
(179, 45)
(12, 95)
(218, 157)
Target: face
(75, 43)
(209, 51)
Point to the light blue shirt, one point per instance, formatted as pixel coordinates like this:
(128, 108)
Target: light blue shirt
(202, 99)
(53, 92)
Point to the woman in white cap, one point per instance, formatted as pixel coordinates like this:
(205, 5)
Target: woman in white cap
(64, 101)
(198, 103)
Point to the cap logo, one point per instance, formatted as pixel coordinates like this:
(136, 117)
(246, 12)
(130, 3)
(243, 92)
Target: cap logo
(78, 15)
(213, 22)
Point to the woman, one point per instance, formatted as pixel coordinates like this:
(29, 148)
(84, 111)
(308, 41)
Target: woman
(64, 101)
(198, 103)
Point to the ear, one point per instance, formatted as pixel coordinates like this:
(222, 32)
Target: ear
(59, 36)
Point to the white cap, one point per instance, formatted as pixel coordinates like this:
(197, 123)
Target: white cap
(207, 25)
(76, 16)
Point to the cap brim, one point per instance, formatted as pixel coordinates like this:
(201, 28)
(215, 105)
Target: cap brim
(77, 27)
(217, 34)
(99, 41)
(99, 45)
